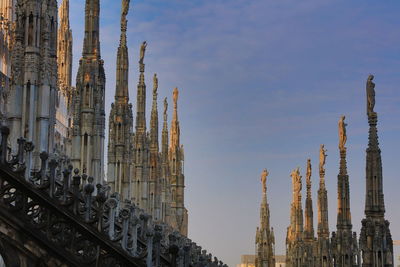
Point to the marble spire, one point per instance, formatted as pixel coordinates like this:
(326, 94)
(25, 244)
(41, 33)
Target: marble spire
(375, 238)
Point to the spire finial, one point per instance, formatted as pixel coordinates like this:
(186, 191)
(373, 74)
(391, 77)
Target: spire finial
(155, 85)
(322, 158)
(264, 176)
(142, 52)
(308, 178)
(342, 134)
(175, 97)
(165, 106)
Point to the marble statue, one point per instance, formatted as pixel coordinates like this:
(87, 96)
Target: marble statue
(296, 177)
(125, 7)
(165, 106)
(370, 95)
(264, 175)
(155, 84)
(175, 96)
(142, 52)
(322, 157)
(342, 133)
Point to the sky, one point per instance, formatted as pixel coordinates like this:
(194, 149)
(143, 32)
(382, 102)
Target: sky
(263, 84)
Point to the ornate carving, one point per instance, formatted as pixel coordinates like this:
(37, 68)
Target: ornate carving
(142, 52)
(370, 95)
(342, 133)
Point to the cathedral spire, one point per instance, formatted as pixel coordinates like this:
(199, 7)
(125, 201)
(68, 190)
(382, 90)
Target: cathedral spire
(323, 224)
(141, 95)
(121, 92)
(91, 43)
(154, 117)
(64, 49)
(175, 130)
(265, 240)
(164, 140)
(374, 204)
(344, 214)
(375, 238)
(120, 121)
(309, 226)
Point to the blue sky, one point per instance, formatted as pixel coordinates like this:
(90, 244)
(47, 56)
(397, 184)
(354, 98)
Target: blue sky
(263, 84)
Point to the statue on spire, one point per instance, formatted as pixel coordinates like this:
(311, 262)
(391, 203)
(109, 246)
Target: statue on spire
(165, 106)
(175, 97)
(296, 178)
(142, 52)
(124, 13)
(342, 133)
(264, 175)
(308, 173)
(370, 95)
(155, 84)
(322, 157)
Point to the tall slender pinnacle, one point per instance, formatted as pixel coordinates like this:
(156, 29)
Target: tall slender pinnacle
(164, 140)
(121, 92)
(323, 223)
(374, 202)
(175, 130)
(375, 238)
(64, 48)
(141, 95)
(154, 117)
(121, 121)
(344, 214)
(89, 101)
(265, 240)
(91, 42)
(309, 225)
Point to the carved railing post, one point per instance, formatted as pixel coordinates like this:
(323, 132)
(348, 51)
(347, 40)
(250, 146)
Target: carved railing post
(88, 190)
(76, 182)
(149, 259)
(173, 250)
(134, 221)
(111, 205)
(157, 244)
(52, 177)
(66, 177)
(28, 147)
(186, 255)
(5, 132)
(43, 167)
(101, 199)
(125, 215)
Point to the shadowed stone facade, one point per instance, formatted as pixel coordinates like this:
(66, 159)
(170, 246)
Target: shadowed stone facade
(31, 107)
(64, 96)
(88, 100)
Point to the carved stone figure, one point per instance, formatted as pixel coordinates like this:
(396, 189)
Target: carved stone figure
(142, 52)
(165, 106)
(297, 186)
(155, 84)
(370, 95)
(124, 13)
(125, 7)
(175, 96)
(322, 157)
(342, 133)
(264, 175)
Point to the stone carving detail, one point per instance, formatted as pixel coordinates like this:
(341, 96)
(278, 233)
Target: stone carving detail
(264, 176)
(142, 52)
(81, 219)
(370, 95)
(342, 133)
(322, 158)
